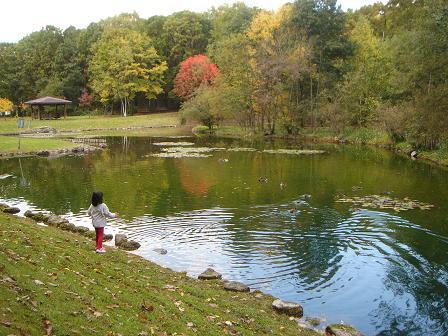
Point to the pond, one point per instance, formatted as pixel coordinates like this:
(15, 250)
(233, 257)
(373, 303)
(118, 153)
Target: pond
(271, 220)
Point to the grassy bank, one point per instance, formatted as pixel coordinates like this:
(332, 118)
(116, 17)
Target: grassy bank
(362, 136)
(8, 125)
(160, 124)
(10, 144)
(53, 279)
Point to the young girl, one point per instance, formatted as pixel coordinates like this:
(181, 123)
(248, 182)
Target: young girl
(99, 213)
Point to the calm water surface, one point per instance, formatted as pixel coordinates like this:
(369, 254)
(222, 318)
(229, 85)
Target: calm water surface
(382, 271)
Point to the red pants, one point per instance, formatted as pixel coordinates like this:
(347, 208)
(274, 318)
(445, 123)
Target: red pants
(99, 238)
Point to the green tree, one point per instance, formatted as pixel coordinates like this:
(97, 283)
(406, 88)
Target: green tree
(367, 83)
(204, 106)
(10, 83)
(230, 19)
(35, 54)
(124, 62)
(237, 80)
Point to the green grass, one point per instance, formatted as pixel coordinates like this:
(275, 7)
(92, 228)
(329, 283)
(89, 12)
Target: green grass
(8, 125)
(367, 136)
(9, 144)
(146, 125)
(439, 156)
(144, 132)
(82, 293)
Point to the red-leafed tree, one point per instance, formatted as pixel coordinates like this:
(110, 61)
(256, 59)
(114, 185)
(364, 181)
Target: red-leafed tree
(85, 100)
(194, 72)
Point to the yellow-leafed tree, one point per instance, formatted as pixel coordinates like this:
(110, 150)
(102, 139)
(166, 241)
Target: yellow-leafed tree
(6, 105)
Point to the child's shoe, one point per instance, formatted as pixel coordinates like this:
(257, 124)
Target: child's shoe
(102, 250)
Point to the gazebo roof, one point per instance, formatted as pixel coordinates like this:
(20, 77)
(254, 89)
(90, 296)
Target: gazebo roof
(48, 101)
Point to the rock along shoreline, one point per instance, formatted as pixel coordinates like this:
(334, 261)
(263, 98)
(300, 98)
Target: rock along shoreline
(78, 150)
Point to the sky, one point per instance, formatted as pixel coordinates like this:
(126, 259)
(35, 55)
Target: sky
(22, 17)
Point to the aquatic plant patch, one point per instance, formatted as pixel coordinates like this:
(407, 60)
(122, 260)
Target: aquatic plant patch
(241, 149)
(294, 151)
(173, 144)
(186, 152)
(191, 149)
(385, 202)
(178, 155)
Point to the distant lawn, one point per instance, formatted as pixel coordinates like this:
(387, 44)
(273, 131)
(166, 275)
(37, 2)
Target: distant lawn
(10, 144)
(8, 125)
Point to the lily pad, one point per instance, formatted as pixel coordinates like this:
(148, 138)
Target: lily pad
(186, 152)
(173, 144)
(191, 149)
(180, 155)
(241, 149)
(294, 151)
(385, 202)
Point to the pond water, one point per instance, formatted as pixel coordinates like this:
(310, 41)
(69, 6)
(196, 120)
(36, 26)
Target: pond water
(270, 221)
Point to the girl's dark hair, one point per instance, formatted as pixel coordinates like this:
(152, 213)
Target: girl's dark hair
(97, 198)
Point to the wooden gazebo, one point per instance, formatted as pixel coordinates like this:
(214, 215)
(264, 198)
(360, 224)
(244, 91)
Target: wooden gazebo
(47, 101)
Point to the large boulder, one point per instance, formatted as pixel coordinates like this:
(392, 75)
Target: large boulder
(210, 274)
(235, 286)
(11, 210)
(341, 330)
(288, 308)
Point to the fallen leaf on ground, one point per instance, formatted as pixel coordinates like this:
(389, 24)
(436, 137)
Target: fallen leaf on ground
(147, 307)
(5, 323)
(48, 327)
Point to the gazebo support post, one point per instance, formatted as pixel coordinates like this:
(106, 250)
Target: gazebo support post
(65, 111)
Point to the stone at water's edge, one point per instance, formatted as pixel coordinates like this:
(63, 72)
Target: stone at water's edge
(119, 237)
(341, 330)
(67, 226)
(81, 229)
(122, 242)
(37, 216)
(210, 274)
(11, 210)
(108, 236)
(288, 308)
(54, 220)
(129, 245)
(160, 251)
(235, 286)
(90, 234)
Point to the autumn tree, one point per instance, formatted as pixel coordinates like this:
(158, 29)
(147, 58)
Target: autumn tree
(125, 62)
(5, 105)
(86, 99)
(194, 72)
